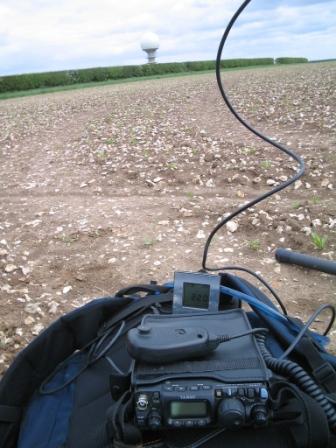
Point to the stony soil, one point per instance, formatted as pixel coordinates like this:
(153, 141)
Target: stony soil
(104, 187)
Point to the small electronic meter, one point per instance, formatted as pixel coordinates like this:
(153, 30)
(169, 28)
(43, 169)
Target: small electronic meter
(196, 292)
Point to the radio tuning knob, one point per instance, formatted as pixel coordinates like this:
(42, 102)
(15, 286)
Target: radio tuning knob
(260, 415)
(142, 402)
(231, 413)
(154, 420)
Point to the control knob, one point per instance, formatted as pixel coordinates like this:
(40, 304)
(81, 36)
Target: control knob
(231, 413)
(154, 420)
(259, 415)
(142, 402)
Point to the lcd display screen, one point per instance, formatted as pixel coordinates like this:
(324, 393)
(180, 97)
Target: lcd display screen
(185, 409)
(196, 295)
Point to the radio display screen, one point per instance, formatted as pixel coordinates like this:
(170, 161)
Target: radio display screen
(196, 295)
(185, 409)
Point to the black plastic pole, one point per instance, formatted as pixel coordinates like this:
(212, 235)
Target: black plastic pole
(307, 261)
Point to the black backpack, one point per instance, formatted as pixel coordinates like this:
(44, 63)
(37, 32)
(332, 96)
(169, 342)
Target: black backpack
(70, 387)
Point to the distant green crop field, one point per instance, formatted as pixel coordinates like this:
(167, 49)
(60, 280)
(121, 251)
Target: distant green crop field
(290, 60)
(36, 83)
(69, 77)
(42, 90)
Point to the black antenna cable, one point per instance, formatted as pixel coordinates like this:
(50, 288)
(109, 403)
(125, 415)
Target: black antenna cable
(282, 148)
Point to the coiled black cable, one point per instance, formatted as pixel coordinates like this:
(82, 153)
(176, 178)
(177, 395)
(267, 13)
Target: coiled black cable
(305, 328)
(300, 377)
(263, 137)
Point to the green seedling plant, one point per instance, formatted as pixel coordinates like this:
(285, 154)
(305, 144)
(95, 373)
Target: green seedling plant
(249, 150)
(172, 166)
(101, 155)
(148, 242)
(296, 205)
(265, 164)
(68, 239)
(315, 199)
(254, 245)
(318, 240)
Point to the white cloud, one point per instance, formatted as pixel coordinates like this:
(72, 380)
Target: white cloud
(42, 35)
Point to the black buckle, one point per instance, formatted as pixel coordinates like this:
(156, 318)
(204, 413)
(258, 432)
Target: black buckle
(326, 375)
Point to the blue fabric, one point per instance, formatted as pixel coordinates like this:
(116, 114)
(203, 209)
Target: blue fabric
(46, 421)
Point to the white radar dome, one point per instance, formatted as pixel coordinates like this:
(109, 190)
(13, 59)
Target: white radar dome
(150, 41)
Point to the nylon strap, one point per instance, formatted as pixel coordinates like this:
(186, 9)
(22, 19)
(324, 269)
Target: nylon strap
(10, 414)
(321, 370)
(137, 305)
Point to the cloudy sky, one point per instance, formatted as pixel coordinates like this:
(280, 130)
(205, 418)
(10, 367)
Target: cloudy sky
(40, 35)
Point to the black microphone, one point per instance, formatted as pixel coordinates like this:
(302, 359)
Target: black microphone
(306, 261)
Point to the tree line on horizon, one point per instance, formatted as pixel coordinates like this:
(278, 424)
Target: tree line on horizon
(32, 81)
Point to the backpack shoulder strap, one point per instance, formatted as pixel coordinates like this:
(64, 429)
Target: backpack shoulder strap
(69, 333)
(33, 364)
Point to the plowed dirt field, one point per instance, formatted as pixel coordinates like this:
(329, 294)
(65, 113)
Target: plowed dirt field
(108, 186)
